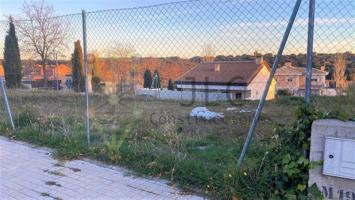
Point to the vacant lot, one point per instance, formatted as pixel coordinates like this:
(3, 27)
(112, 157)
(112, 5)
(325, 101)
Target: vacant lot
(157, 137)
(108, 112)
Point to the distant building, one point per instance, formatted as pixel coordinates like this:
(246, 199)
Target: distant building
(2, 73)
(293, 79)
(33, 75)
(240, 79)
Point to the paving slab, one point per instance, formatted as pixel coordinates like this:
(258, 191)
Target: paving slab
(29, 172)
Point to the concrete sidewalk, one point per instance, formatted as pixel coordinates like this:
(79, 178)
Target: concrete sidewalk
(28, 172)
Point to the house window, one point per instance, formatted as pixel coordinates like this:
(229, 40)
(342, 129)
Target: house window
(217, 67)
(238, 95)
(314, 80)
(289, 79)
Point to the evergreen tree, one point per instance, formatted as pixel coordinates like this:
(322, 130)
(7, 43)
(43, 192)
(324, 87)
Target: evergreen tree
(171, 85)
(147, 79)
(78, 66)
(12, 59)
(156, 79)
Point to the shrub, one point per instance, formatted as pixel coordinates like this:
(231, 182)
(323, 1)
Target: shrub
(284, 92)
(285, 100)
(282, 172)
(351, 91)
(27, 116)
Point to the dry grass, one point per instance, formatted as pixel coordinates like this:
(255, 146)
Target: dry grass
(109, 112)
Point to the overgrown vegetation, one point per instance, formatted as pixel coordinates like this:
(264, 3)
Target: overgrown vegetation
(281, 172)
(284, 93)
(276, 165)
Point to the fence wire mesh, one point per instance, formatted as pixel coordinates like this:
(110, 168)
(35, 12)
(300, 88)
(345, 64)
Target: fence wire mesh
(136, 57)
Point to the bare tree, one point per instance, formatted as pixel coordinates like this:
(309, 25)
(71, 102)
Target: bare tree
(120, 56)
(122, 50)
(41, 33)
(118, 60)
(340, 73)
(208, 53)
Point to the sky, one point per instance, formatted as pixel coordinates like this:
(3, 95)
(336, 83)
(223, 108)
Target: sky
(63, 7)
(231, 27)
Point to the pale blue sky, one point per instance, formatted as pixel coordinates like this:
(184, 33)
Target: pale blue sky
(231, 26)
(13, 7)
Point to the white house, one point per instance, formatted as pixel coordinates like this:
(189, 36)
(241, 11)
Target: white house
(240, 79)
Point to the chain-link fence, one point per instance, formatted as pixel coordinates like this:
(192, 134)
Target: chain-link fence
(174, 87)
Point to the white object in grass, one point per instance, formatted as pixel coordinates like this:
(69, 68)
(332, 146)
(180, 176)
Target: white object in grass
(245, 111)
(203, 112)
(231, 109)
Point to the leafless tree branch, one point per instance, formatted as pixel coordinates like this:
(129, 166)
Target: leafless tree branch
(42, 33)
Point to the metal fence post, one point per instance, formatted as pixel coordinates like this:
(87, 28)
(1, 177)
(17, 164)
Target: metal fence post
(7, 105)
(310, 50)
(86, 78)
(263, 97)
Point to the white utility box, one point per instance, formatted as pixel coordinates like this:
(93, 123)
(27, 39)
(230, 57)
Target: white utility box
(339, 157)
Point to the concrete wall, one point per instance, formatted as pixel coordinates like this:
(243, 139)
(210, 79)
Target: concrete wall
(184, 95)
(328, 92)
(332, 187)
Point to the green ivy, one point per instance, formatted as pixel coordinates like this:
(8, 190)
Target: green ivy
(290, 155)
(284, 173)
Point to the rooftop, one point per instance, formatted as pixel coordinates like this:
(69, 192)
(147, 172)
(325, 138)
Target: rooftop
(288, 69)
(230, 72)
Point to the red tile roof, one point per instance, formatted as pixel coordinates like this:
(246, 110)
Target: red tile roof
(291, 70)
(233, 72)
